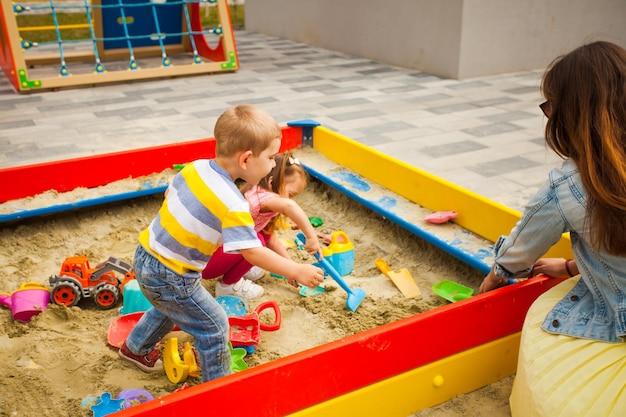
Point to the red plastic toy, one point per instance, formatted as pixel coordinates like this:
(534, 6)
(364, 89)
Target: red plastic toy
(245, 330)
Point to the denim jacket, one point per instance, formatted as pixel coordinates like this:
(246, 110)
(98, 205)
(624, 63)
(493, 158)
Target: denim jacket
(596, 307)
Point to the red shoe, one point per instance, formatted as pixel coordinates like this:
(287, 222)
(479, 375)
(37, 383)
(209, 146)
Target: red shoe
(147, 363)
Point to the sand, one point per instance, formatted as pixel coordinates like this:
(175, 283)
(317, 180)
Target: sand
(59, 363)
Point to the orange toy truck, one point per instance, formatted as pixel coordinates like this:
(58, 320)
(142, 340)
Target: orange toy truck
(78, 279)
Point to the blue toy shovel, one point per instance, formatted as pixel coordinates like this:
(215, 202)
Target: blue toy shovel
(355, 297)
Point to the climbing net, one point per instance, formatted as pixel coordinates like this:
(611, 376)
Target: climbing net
(124, 11)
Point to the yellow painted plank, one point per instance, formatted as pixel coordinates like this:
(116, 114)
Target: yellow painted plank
(427, 385)
(476, 213)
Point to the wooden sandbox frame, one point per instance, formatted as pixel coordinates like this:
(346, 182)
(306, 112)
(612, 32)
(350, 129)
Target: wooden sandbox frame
(393, 370)
(19, 66)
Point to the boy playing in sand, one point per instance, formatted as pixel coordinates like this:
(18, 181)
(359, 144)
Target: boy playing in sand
(269, 199)
(203, 209)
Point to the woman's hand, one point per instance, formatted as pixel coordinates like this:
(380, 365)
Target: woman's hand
(491, 282)
(555, 267)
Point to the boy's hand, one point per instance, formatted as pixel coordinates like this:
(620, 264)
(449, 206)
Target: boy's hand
(308, 275)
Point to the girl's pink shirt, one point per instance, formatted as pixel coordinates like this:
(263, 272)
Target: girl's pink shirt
(257, 196)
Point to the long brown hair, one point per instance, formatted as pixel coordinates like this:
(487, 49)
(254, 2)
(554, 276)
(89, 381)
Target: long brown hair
(587, 93)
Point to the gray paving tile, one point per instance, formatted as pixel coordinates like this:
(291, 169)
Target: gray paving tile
(387, 127)
(357, 63)
(453, 108)
(539, 141)
(373, 71)
(425, 77)
(134, 113)
(522, 90)
(255, 101)
(237, 81)
(16, 124)
(272, 70)
(302, 79)
(11, 100)
(496, 101)
(375, 140)
(469, 85)
(32, 151)
(492, 129)
(293, 63)
(501, 166)
(401, 89)
(349, 78)
(5, 107)
(343, 90)
(356, 115)
(147, 92)
(452, 148)
(509, 116)
(428, 98)
(345, 102)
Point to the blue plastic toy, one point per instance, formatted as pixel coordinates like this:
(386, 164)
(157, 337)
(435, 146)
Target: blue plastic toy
(355, 297)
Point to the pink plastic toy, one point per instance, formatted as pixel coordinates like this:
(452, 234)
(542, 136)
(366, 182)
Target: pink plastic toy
(440, 217)
(29, 300)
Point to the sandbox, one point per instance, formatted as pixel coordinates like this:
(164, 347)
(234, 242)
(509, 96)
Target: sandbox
(325, 359)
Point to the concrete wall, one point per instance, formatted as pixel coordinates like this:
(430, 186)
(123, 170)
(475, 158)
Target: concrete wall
(450, 38)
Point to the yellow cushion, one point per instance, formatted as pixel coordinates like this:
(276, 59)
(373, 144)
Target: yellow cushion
(562, 376)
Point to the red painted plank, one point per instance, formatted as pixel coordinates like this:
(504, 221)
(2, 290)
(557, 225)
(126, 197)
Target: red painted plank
(94, 171)
(301, 380)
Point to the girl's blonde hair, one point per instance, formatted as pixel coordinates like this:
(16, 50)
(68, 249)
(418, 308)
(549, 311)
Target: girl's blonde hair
(286, 166)
(244, 127)
(587, 123)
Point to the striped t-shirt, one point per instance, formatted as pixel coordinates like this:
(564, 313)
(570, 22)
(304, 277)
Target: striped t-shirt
(203, 209)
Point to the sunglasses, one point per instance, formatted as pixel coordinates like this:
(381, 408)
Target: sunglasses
(546, 108)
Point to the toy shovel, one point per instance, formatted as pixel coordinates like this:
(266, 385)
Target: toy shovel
(402, 278)
(355, 297)
(452, 291)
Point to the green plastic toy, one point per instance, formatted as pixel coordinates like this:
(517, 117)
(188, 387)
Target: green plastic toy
(316, 221)
(237, 363)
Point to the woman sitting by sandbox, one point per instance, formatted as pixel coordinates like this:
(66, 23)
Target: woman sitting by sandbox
(572, 353)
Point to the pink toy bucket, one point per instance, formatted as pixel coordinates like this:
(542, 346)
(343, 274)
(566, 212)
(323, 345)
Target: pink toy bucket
(29, 300)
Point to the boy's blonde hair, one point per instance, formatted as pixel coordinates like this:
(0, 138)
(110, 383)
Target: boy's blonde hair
(244, 127)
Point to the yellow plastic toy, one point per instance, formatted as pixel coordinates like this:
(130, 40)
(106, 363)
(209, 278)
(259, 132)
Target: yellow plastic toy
(177, 369)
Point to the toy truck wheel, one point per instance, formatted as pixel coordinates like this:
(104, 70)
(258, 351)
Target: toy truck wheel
(65, 293)
(106, 296)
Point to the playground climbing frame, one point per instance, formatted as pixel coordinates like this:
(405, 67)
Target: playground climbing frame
(128, 40)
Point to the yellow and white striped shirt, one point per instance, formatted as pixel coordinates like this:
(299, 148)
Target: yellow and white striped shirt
(203, 209)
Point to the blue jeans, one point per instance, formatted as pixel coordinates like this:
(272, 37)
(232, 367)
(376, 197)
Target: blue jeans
(180, 300)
